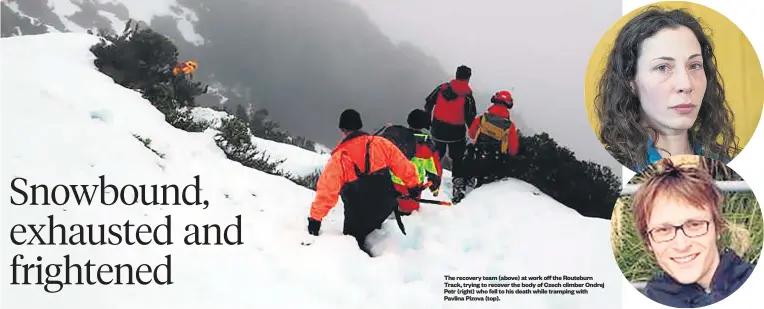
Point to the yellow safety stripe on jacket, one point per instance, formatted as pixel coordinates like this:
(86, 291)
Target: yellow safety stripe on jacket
(422, 167)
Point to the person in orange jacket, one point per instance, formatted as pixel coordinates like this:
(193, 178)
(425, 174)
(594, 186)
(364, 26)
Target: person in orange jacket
(359, 172)
(493, 136)
(426, 160)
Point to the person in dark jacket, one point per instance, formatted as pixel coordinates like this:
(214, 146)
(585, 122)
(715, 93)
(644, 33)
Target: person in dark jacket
(729, 276)
(451, 107)
(678, 216)
(425, 159)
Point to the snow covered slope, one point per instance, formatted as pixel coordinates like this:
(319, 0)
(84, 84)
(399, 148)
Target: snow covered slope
(72, 124)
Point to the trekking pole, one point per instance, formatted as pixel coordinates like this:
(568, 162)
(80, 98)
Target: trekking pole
(426, 201)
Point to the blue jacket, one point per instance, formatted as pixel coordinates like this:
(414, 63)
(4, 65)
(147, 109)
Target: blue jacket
(731, 273)
(653, 155)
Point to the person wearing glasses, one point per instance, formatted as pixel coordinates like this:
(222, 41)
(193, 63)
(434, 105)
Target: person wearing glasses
(678, 215)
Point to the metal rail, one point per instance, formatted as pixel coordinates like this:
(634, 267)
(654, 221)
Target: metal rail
(726, 186)
(640, 286)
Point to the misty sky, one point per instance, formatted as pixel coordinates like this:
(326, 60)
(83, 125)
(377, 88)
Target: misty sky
(512, 43)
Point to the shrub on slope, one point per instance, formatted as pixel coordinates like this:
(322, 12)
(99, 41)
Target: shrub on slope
(587, 187)
(142, 59)
(308, 181)
(236, 141)
(263, 127)
(234, 137)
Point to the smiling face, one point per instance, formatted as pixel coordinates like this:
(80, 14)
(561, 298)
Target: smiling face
(688, 259)
(670, 81)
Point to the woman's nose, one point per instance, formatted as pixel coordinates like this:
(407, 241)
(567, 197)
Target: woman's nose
(683, 82)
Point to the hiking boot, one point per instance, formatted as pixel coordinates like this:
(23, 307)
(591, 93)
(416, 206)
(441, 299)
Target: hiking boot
(479, 182)
(459, 186)
(474, 182)
(458, 195)
(459, 183)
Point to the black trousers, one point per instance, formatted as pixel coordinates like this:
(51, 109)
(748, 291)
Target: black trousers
(360, 225)
(483, 163)
(455, 151)
(360, 238)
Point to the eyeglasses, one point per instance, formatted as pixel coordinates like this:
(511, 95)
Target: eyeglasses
(692, 229)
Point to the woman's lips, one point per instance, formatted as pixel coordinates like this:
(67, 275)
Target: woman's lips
(683, 109)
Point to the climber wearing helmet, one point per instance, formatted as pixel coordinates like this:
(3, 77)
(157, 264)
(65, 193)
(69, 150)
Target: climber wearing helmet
(503, 97)
(493, 137)
(493, 129)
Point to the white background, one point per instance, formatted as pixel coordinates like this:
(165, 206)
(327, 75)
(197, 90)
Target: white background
(747, 16)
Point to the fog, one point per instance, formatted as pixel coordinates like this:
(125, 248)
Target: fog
(306, 61)
(538, 48)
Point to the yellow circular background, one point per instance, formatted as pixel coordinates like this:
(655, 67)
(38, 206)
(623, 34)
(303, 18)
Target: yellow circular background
(737, 63)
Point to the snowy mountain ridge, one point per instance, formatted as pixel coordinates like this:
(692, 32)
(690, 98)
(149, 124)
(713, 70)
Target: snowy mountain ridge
(114, 14)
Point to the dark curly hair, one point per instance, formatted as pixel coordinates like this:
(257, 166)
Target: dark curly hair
(618, 108)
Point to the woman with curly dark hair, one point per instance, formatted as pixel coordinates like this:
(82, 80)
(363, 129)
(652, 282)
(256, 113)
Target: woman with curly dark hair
(661, 93)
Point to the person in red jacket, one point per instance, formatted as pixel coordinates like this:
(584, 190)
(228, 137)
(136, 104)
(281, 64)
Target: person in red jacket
(493, 136)
(451, 107)
(358, 171)
(494, 129)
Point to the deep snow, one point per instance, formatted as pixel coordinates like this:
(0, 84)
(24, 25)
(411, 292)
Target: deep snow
(63, 122)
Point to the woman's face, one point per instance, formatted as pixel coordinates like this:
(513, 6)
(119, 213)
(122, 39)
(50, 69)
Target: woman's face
(688, 259)
(670, 81)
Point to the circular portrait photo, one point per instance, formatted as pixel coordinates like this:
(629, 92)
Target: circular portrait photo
(687, 231)
(674, 78)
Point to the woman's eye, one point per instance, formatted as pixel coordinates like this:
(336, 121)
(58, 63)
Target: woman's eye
(696, 66)
(662, 68)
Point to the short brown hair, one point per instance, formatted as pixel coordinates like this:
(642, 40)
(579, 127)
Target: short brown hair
(693, 185)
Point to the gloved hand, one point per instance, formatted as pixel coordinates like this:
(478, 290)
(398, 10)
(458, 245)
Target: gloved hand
(416, 191)
(435, 186)
(313, 226)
